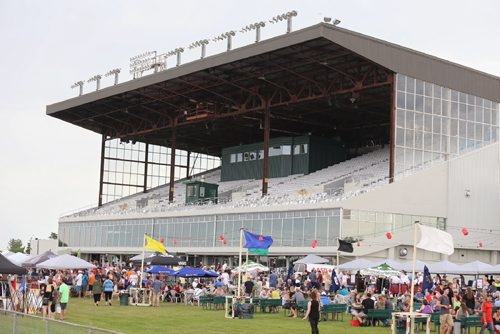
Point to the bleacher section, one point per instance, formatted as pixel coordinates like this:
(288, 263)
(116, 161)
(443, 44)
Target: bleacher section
(334, 183)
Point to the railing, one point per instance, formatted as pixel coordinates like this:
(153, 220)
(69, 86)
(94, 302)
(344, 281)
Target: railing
(15, 322)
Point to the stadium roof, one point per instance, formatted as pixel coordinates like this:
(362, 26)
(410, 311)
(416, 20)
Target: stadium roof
(323, 80)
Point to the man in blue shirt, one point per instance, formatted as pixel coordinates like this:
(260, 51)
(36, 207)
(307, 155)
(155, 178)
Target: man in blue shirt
(273, 280)
(156, 291)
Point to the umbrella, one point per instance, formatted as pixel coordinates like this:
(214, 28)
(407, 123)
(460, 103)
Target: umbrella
(39, 259)
(356, 264)
(65, 261)
(166, 261)
(7, 267)
(311, 258)
(138, 257)
(252, 266)
(195, 272)
(444, 267)
(161, 270)
(384, 270)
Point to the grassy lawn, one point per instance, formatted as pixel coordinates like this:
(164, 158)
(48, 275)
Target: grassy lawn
(182, 319)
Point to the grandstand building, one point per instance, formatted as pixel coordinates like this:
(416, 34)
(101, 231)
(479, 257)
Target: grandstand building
(314, 135)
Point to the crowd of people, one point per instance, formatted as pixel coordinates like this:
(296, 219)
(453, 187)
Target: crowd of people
(453, 299)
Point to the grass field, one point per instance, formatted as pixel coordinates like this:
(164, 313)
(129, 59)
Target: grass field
(182, 319)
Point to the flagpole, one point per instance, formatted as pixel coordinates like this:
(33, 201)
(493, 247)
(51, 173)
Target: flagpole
(239, 264)
(338, 245)
(142, 260)
(413, 265)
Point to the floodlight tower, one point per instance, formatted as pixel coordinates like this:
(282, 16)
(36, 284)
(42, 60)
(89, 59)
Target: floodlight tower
(286, 16)
(78, 84)
(97, 79)
(227, 35)
(254, 26)
(177, 52)
(115, 72)
(201, 43)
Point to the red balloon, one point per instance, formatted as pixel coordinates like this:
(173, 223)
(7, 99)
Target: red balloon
(162, 240)
(388, 235)
(465, 231)
(175, 241)
(221, 236)
(261, 238)
(481, 244)
(314, 243)
(225, 242)
(358, 243)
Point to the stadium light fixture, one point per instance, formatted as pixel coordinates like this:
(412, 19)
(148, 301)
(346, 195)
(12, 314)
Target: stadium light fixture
(176, 52)
(227, 35)
(254, 26)
(201, 43)
(97, 79)
(336, 22)
(78, 84)
(286, 16)
(115, 72)
(328, 19)
(144, 62)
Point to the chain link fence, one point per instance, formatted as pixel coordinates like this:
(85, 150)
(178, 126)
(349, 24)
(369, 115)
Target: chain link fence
(20, 323)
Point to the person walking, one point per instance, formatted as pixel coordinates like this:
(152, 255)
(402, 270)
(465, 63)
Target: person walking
(312, 313)
(108, 290)
(445, 317)
(156, 289)
(487, 317)
(97, 289)
(64, 298)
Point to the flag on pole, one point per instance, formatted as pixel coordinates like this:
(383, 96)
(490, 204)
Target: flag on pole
(434, 240)
(345, 246)
(427, 283)
(154, 245)
(257, 244)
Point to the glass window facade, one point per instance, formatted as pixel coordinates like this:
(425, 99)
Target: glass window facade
(435, 123)
(288, 228)
(361, 225)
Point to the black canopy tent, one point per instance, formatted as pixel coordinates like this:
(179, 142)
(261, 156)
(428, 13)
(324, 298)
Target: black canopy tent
(7, 267)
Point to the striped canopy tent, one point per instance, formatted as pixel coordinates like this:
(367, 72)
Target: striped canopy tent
(383, 270)
(251, 267)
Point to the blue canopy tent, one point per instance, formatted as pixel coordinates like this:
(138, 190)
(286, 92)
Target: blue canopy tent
(195, 272)
(161, 270)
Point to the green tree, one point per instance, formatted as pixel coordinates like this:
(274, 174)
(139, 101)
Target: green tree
(16, 246)
(53, 235)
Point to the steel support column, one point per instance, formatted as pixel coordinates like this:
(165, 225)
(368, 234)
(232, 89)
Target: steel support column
(101, 172)
(146, 159)
(267, 131)
(172, 166)
(187, 163)
(393, 128)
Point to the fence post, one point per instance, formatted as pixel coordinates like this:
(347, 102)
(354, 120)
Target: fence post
(14, 324)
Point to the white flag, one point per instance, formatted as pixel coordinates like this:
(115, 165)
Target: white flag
(434, 240)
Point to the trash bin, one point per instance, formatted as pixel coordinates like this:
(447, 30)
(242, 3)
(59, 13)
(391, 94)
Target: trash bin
(124, 299)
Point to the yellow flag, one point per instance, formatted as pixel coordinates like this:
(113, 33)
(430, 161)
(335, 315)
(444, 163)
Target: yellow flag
(154, 245)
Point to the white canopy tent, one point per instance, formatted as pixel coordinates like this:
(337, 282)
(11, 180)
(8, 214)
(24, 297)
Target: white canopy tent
(357, 264)
(407, 266)
(444, 267)
(476, 268)
(311, 259)
(138, 257)
(251, 267)
(18, 258)
(65, 261)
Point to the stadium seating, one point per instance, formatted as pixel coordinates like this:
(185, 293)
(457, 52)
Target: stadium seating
(334, 183)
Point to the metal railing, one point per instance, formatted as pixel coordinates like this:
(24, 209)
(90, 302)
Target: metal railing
(20, 323)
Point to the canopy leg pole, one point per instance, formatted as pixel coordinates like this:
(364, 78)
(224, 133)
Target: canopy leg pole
(413, 265)
(142, 259)
(239, 263)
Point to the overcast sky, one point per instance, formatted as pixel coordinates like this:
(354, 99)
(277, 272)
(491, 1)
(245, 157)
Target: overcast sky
(49, 167)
